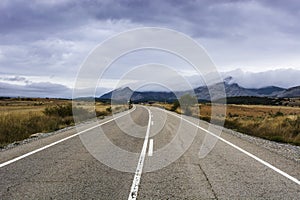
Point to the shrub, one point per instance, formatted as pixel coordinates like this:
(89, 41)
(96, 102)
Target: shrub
(279, 114)
(79, 113)
(188, 111)
(175, 105)
(59, 110)
(108, 109)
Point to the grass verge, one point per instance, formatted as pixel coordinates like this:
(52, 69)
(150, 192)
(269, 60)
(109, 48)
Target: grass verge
(275, 123)
(19, 120)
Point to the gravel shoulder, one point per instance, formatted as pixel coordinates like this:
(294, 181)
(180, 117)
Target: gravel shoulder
(286, 150)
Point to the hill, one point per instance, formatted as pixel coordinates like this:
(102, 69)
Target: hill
(126, 94)
(203, 93)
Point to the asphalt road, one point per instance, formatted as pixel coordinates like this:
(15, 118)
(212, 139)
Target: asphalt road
(78, 166)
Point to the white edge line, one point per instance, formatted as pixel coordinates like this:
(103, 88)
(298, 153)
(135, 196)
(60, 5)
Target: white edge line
(138, 173)
(150, 151)
(59, 141)
(241, 150)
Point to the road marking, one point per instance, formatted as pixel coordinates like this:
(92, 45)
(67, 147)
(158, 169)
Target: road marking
(138, 173)
(59, 141)
(152, 123)
(240, 149)
(150, 151)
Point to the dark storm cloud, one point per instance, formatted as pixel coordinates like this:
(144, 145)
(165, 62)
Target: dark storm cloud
(202, 18)
(19, 16)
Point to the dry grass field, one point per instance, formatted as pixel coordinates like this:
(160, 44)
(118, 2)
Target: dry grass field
(277, 123)
(20, 118)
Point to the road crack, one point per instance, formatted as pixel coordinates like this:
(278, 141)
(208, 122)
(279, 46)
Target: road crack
(209, 183)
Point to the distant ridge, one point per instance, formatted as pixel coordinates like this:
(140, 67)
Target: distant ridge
(290, 93)
(122, 94)
(202, 93)
(271, 90)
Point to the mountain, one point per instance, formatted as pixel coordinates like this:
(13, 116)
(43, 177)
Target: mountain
(290, 93)
(118, 94)
(235, 90)
(124, 94)
(268, 91)
(202, 93)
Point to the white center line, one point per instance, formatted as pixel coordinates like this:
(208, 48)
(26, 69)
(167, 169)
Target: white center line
(138, 173)
(59, 141)
(295, 180)
(150, 151)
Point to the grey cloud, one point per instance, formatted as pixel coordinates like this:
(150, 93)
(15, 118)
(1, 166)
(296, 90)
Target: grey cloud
(46, 57)
(20, 15)
(14, 78)
(200, 18)
(45, 89)
(235, 20)
(285, 78)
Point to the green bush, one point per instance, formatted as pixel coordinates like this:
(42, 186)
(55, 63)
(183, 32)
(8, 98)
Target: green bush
(175, 105)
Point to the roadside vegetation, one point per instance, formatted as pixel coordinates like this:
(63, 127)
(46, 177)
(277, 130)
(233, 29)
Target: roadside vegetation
(276, 123)
(20, 118)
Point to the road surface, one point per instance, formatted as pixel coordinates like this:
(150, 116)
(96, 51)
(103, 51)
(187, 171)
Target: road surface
(61, 167)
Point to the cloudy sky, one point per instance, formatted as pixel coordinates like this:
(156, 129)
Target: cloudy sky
(44, 42)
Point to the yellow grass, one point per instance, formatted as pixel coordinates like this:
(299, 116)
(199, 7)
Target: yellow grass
(21, 118)
(278, 123)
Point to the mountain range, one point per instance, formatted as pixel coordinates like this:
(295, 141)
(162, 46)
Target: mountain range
(202, 93)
